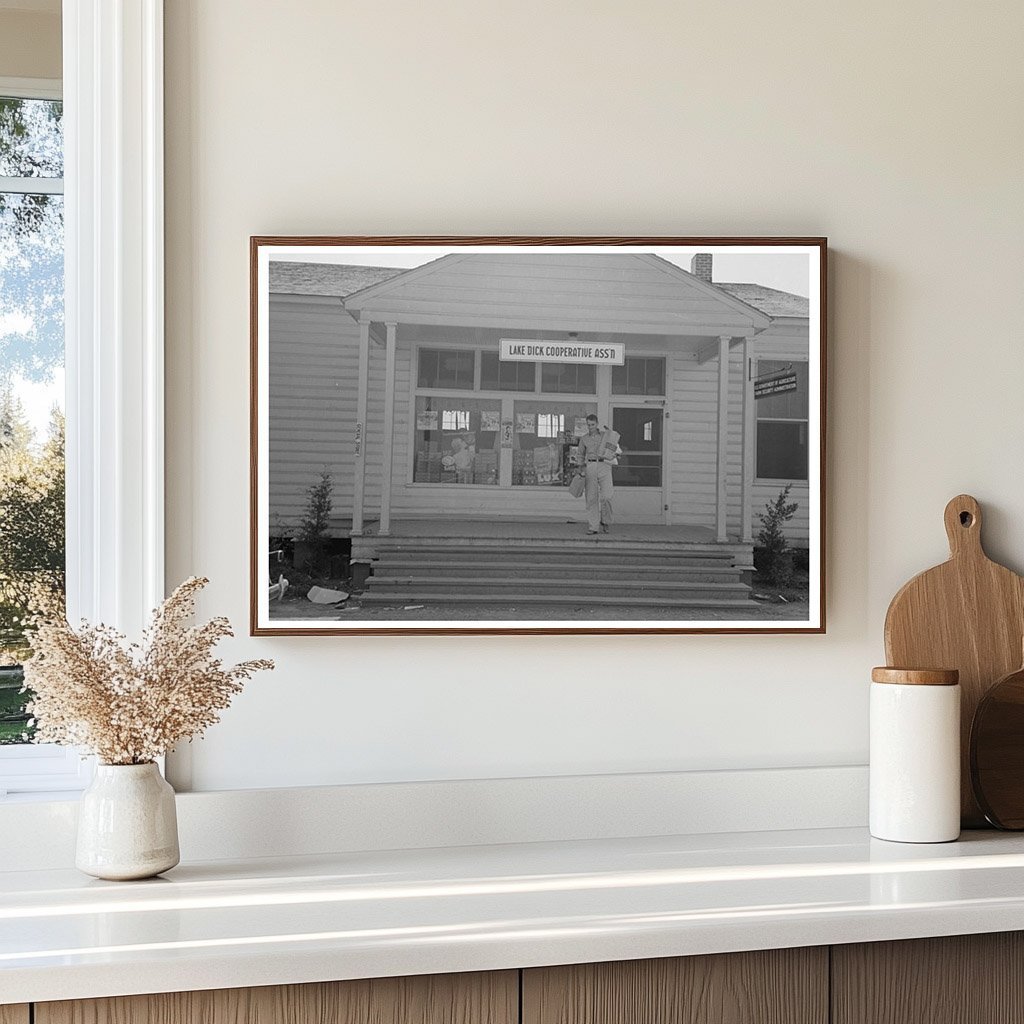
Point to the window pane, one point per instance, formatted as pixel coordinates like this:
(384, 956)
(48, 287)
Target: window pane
(14, 726)
(639, 376)
(446, 368)
(31, 138)
(568, 378)
(545, 435)
(457, 441)
(31, 430)
(509, 376)
(781, 450)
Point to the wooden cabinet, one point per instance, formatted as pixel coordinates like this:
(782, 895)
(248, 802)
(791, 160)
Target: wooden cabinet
(491, 998)
(963, 979)
(972, 979)
(779, 986)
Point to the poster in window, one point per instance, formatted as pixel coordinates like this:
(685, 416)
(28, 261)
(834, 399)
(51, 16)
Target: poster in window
(461, 466)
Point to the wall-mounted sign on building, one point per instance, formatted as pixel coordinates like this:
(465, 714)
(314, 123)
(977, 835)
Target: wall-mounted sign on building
(776, 384)
(541, 350)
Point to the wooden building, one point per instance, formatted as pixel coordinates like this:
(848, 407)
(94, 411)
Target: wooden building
(394, 382)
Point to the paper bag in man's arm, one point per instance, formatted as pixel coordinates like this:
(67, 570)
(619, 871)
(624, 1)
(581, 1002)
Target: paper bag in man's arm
(609, 444)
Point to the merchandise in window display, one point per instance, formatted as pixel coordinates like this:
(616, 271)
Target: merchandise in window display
(460, 448)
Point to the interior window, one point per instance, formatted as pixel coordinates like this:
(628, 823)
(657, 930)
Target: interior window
(31, 384)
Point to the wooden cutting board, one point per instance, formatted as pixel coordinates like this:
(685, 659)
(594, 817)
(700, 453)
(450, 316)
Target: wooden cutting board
(967, 614)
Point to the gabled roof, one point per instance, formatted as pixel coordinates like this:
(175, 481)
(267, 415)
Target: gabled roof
(333, 279)
(596, 292)
(343, 280)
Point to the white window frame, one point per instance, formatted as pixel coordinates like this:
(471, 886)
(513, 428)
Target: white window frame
(114, 312)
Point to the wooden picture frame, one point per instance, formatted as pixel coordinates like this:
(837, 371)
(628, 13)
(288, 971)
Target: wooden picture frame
(418, 402)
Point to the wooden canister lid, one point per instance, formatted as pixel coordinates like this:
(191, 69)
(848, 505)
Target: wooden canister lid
(916, 676)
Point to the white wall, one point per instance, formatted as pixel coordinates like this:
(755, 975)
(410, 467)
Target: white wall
(894, 129)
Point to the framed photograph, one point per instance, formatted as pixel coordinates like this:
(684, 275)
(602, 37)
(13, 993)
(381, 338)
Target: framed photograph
(537, 435)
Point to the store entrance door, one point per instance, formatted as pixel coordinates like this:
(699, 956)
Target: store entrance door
(639, 476)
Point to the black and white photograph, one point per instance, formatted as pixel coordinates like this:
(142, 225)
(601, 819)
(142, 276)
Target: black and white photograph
(537, 435)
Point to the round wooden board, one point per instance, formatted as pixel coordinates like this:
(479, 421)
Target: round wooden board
(997, 752)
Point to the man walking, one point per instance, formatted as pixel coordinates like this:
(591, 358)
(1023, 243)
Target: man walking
(597, 467)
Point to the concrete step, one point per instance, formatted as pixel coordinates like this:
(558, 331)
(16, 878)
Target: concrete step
(567, 590)
(398, 597)
(386, 545)
(581, 568)
(594, 551)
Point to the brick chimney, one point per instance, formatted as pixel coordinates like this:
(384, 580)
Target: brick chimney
(700, 266)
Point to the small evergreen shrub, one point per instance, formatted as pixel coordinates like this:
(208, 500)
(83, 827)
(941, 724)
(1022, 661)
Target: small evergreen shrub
(775, 555)
(313, 531)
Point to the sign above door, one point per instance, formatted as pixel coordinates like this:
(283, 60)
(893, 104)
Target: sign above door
(543, 350)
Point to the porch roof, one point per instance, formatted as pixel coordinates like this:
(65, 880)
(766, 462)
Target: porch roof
(627, 293)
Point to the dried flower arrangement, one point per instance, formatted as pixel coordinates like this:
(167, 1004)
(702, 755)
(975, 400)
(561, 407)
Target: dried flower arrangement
(128, 704)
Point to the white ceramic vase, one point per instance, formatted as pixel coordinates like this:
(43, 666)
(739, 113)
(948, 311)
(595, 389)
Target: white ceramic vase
(127, 825)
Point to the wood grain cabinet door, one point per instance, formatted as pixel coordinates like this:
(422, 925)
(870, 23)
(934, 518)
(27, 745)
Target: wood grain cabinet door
(963, 979)
(780, 986)
(14, 1014)
(491, 998)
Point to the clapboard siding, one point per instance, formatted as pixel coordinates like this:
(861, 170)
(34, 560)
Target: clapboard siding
(313, 369)
(692, 426)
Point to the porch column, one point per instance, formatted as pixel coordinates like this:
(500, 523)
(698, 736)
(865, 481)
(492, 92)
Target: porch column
(363, 385)
(723, 436)
(747, 503)
(389, 429)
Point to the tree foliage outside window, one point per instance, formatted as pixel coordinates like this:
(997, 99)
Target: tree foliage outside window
(31, 362)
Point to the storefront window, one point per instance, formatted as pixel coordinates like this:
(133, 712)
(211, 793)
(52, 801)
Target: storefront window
(510, 376)
(782, 425)
(568, 378)
(545, 433)
(457, 441)
(639, 376)
(447, 368)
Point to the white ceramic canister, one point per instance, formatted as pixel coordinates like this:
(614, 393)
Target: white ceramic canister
(915, 755)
